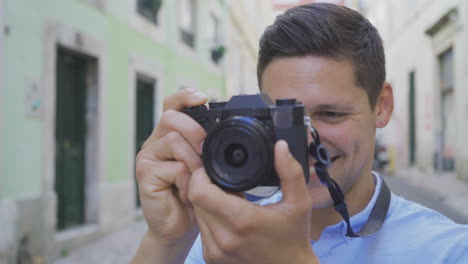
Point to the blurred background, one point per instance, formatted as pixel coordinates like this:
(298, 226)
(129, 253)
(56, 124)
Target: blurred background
(82, 84)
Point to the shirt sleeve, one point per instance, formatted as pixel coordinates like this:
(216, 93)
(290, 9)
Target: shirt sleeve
(195, 255)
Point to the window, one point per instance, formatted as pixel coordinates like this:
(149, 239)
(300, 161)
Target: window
(187, 21)
(217, 49)
(149, 9)
(213, 29)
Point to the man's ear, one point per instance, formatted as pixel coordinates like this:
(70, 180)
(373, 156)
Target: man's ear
(384, 106)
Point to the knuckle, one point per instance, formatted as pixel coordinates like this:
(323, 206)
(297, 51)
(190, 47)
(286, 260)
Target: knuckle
(196, 195)
(227, 243)
(243, 226)
(194, 132)
(142, 166)
(146, 143)
(179, 168)
(244, 222)
(168, 115)
(199, 163)
(168, 101)
(173, 137)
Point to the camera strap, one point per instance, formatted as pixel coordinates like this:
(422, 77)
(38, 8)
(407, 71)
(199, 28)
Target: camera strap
(381, 206)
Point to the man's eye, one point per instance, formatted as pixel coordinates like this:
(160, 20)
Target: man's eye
(330, 114)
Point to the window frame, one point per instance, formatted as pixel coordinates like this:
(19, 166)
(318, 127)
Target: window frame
(157, 32)
(155, 16)
(188, 36)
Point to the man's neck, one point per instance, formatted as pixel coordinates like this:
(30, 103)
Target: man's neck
(357, 198)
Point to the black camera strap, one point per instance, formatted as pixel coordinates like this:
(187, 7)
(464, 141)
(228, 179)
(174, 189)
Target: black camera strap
(381, 206)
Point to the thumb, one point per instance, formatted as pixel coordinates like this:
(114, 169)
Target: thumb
(290, 173)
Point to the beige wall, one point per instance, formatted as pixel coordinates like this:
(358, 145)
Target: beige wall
(403, 25)
(247, 21)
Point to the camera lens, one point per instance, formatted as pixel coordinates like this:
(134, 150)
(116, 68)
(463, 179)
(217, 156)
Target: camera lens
(235, 155)
(238, 153)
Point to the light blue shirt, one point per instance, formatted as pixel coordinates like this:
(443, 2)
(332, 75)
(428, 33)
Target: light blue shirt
(411, 234)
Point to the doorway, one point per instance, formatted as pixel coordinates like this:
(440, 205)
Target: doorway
(145, 108)
(447, 112)
(75, 123)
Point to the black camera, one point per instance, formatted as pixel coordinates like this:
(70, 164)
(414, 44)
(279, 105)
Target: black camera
(238, 152)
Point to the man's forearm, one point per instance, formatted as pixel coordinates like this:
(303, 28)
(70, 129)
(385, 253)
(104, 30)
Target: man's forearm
(154, 252)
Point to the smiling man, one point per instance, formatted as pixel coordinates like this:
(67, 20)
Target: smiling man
(331, 59)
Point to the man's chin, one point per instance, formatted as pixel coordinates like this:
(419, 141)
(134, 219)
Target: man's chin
(322, 204)
(319, 193)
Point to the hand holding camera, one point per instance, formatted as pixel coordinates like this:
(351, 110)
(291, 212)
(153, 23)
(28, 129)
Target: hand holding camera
(178, 198)
(163, 169)
(247, 145)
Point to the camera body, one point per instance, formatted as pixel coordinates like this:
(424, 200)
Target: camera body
(238, 152)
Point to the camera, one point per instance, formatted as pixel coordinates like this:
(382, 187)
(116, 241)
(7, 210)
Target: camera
(238, 151)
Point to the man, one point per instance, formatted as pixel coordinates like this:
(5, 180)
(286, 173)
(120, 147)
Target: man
(330, 58)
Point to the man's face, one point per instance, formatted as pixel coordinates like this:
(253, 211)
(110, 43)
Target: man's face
(339, 110)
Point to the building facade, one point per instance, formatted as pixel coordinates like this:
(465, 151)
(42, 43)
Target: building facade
(247, 20)
(426, 44)
(82, 83)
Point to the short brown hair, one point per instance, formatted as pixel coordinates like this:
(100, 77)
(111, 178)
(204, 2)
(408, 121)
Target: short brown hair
(323, 29)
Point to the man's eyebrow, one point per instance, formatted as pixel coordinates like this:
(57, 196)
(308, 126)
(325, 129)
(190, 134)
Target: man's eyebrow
(330, 107)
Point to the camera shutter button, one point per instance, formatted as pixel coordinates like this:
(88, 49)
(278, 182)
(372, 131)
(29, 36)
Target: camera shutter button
(216, 105)
(285, 102)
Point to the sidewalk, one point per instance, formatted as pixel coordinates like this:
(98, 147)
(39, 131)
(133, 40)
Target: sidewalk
(453, 191)
(117, 247)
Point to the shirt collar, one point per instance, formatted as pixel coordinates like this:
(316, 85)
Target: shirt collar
(359, 220)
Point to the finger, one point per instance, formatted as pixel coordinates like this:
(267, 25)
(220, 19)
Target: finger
(163, 175)
(184, 98)
(290, 173)
(173, 146)
(154, 176)
(210, 198)
(172, 120)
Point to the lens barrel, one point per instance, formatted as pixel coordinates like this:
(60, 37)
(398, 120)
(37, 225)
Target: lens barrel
(238, 153)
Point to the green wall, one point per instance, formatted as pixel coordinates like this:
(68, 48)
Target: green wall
(22, 146)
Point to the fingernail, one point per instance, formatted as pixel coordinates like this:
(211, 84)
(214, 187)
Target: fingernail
(190, 90)
(198, 96)
(287, 148)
